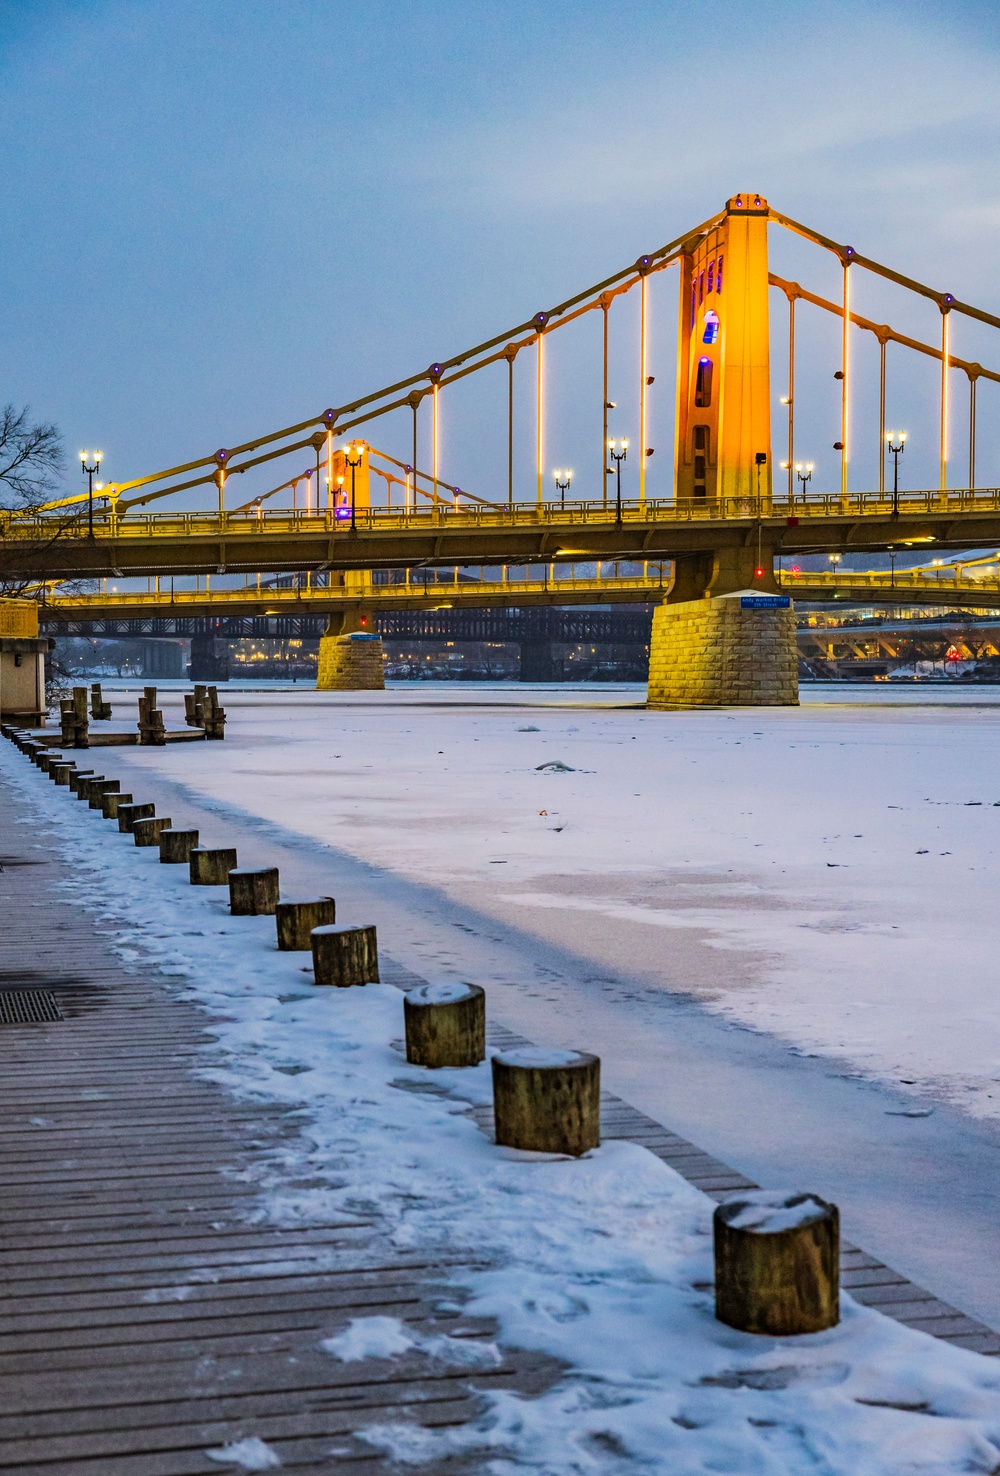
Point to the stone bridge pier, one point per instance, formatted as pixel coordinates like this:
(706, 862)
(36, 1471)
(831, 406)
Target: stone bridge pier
(350, 654)
(724, 636)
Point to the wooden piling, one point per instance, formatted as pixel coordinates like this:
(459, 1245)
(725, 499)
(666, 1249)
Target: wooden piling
(211, 868)
(99, 709)
(445, 1025)
(547, 1101)
(151, 726)
(253, 893)
(59, 773)
(296, 919)
(147, 832)
(344, 955)
(73, 719)
(75, 777)
(110, 802)
(85, 787)
(176, 845)
(777, 1263)
(129, 814)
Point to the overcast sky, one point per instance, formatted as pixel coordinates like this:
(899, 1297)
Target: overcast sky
(221, 215)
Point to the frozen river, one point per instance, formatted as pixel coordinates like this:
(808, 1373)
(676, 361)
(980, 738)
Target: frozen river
(778, 928)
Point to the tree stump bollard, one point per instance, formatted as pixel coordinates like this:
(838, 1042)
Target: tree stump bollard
(253, 893)
(98, 791)
(110, 802)
(176, 845)
(777, 1263)
(48, 759)
(147, 832)
(85, 788)
(445, 1025)
(547, 1101)
(59, 773)
(211, 868)
(344, 955)
(129, 814)
(296, 919)
(76, 775)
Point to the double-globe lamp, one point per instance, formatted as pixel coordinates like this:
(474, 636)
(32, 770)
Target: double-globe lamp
(90, 472)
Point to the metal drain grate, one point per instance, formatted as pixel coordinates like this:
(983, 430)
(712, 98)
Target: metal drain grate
(28, 1007)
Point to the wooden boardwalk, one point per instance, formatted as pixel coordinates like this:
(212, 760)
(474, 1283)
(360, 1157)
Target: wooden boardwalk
(146, 1315)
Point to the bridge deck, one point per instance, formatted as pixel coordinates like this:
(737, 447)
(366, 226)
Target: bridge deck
(202, 542)
(146, 1316)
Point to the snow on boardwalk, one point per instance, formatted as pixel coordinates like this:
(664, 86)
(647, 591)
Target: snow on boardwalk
(602, 1263)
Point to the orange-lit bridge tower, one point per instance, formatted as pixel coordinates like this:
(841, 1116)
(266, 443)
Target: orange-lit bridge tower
(725, 634)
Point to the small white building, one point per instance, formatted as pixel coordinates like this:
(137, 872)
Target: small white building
(22, 664)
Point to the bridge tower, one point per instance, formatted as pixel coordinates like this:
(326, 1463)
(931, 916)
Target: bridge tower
(718, 639)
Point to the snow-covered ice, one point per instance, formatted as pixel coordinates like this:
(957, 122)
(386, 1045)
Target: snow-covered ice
(826, 874)
(603, 1262)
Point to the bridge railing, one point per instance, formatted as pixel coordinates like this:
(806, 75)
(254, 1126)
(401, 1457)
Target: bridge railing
(648, 586)
(885, 581)
(818, 507)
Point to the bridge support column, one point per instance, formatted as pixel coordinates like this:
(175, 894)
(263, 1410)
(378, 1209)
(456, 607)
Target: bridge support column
(209, 659)
(538, 662)
(350, 655)
(729, 643)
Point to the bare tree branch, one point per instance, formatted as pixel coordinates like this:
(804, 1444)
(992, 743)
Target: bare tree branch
(31, 457)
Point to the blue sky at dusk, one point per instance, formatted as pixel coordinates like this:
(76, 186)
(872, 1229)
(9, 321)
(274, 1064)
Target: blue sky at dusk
(220, 217)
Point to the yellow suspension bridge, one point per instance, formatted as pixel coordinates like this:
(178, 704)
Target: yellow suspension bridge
(722, 518)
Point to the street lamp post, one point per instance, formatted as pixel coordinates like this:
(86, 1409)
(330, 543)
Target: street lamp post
(804, 471)
(353, 462)
(618, 457)
(562, 487)
(90, 473)
(895, 452)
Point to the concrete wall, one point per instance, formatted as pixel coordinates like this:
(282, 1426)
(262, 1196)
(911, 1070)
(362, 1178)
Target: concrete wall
(713, 653)
(350, 663)
(22, 679)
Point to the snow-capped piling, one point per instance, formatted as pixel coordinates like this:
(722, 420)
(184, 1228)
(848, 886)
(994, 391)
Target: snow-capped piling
(47, 759)
(176, 845)
(548, 1101)
(76, 775)
(253, 893)
(129, 814)
(777, 1263)
(296, 919)
(147, 832)
(96, 792)
(344, 955)
(211, 868)
(445, 1025)
(111, 801)
(84, 788)
(59, 773)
